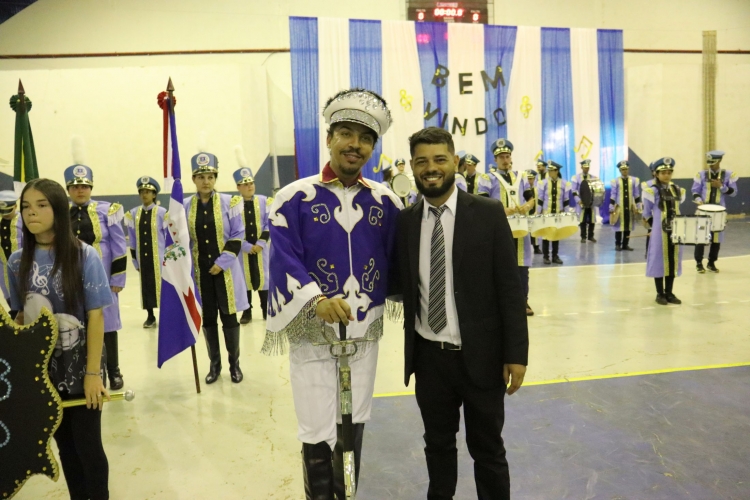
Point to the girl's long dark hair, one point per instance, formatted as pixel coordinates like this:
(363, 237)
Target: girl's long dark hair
(67, 249)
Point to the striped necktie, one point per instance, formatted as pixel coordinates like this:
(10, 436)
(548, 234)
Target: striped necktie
(436, 317)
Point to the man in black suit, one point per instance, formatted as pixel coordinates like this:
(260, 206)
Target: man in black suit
(465, 327)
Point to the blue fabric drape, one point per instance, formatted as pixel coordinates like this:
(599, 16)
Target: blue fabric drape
(366, 71)
(499, 47)
(558, 134)
(303, 35)
(432, 47)
(611, 101)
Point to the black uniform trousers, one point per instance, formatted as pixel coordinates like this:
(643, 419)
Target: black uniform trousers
(587, 224)
(713, 252)
(84, 463)
(442, 387)
(215, 300)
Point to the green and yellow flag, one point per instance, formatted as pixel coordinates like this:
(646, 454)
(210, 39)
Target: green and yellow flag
(25, 167)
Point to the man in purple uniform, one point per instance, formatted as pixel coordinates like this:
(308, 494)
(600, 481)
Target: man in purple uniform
(333, 245)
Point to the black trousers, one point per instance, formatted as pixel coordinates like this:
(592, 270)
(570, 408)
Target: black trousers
(623, 238)
(84, 463)
(442, 387)
(263, 294)
(587, 223)
(545, 248)
(713, 253)
(215, 301)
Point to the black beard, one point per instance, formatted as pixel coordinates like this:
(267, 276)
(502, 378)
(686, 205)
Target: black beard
(435, 192)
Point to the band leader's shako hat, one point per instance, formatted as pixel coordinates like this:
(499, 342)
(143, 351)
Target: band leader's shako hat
(502, 146)
(623, 164)
(399, 161)
(243, 176)
(149, 183)
(468, 159)
(713, 157)
(8, 200)
(359, 106)
(586, 162)
(540, 161)
(76, 175)
(531, 173)
(204, 163)
(553, 165)
(662, 164)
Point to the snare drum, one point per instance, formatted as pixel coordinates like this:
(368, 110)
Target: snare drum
(539, 226)
(717, 213)
(401, 185)
(564, 225)
(691, 230)
(519, 225)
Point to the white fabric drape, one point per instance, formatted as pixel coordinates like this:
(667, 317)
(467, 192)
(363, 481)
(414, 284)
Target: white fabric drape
(466, 55)
(333, 68)
(524, 102)
(584, 61)
(401, 74)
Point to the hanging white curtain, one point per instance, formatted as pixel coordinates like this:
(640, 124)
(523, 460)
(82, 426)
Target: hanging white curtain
(584, 61)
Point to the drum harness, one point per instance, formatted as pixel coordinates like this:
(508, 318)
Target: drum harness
(667, 199)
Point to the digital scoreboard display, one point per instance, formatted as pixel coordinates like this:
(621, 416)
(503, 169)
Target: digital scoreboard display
(449, 12)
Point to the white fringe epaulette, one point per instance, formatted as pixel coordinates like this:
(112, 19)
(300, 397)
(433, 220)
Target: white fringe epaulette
(129, 220)
(278, 342)
(236, 206)
(115, 214)
(394, 310)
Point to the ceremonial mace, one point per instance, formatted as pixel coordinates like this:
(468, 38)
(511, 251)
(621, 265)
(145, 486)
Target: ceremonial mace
(345, 391)
(128, 395)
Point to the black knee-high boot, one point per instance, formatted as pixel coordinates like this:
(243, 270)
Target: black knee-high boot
(232, 341)
(338, 459)
(263, 302)
(113, 361)
(214, 355)
(317, 471)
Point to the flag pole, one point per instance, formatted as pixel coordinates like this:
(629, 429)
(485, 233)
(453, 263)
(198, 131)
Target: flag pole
(21, 97)
(170, 90)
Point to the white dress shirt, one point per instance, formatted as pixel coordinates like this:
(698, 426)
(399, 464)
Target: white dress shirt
(451, 332)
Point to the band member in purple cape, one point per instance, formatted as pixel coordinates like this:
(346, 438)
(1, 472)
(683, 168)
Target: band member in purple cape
(465, 332)
(514, 192)
(216, 235)
(554, 198)
(333, 246)
(712, 186)
(586, 215)
(255, 245)
(99, 224)
(624, 204)
(661, 204)
(11, 238)
(147, 231)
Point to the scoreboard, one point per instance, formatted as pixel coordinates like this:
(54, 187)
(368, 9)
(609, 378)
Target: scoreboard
(449, 12)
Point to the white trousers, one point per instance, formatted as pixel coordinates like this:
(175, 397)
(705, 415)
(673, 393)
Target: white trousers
(315, 389)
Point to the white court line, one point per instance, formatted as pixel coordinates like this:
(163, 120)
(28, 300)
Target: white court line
(558, 268)
(644, 308)
(743, 301)
(571, 314)
(723, 302)
(597, 312)
(697, 304)
(623, 310)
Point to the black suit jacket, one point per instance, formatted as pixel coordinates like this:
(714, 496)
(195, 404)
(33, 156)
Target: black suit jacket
(489, 300)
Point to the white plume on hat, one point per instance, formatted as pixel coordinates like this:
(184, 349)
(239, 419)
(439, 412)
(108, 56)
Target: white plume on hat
(202, 142)
(78, 150)
(240, 153)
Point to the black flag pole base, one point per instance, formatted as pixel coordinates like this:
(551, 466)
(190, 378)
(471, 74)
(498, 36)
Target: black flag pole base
(195, 369)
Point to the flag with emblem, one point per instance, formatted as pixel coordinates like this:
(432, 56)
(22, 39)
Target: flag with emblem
(179, 312)
(24, 159)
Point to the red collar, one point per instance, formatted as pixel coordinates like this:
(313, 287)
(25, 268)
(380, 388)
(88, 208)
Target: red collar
(328, 175)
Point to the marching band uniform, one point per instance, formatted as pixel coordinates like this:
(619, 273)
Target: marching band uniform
(461, 182)
(388, 176)
(541, 168)
(11, 239)
(99, 224)
(255, 266)
(478, 183)
(554, 198)
(626, 197)
(531, 182)
(586, 215)
(513, 190)
(331, 241)
(216, 235)
(661, 203)
(704, 193)
(147, 231)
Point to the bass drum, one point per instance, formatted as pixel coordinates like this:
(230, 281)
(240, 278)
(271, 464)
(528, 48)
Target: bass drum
(401, 185)
(592, 193)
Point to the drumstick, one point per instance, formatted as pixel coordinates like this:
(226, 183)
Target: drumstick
(128, 395)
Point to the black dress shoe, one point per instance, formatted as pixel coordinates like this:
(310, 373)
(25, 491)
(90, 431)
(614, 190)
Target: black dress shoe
(556, 260)
(711, 267)
(672, 299)
(547, 261)
(628, 248)
(661, 299)
(247, 317)
(150, 323)
(115, 380)
(592, 239)
(537, 251)
(529, 310)
(236, 374)
(583, 240)
(699, 267)
(618, 247)
(212, 376)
